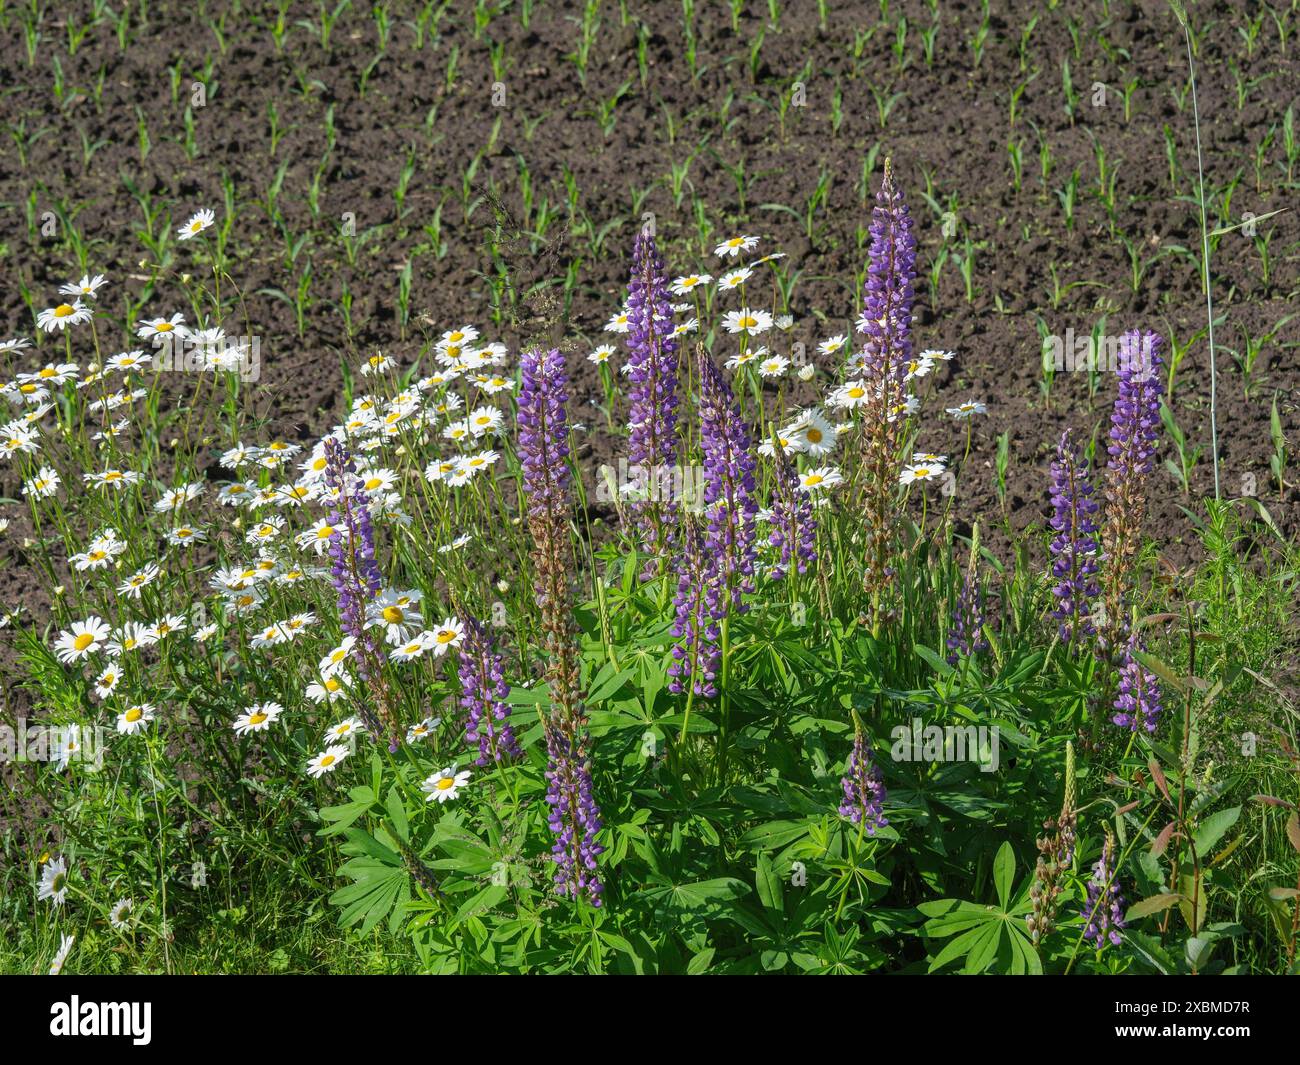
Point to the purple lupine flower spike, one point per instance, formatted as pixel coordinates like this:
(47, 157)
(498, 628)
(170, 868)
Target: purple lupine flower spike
(729, 501)
(794, 527)
(574, 817)
(966, 634)
(1134, 432)
(888, 294)
(696, 653)
(863, 784)
(1139, 703)
(483, 694)
(1074, 548)
(652, 370)
(355, 575)
(886, 323)
(547, 485)
(1104, 908)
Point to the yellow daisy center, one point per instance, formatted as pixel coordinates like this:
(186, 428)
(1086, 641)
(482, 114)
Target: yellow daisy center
(83, 641)
(257, 718)
(393, 614)
(63, 310)
(134, 714)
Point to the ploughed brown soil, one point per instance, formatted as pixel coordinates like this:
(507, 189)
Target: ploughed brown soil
(948, 128)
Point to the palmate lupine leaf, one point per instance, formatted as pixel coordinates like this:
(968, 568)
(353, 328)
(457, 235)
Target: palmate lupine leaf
(985, 934)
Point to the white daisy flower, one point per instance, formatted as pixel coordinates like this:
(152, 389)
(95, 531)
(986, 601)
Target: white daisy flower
(451, 633)
(199, 221)
(62, 316)
(135, 719)
(61, 957)
(85, 638)
(162, 328)
(119, 915)
(54, 882)
(683, 286)
(257, 718)
(849, 396)
(749, 322)
(345, 729)
(331, 686)
(422, 730)
(920, 471)
(327, 761)
(734, 246)
(820, 478)
(445, 784)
